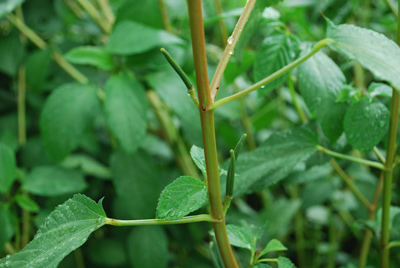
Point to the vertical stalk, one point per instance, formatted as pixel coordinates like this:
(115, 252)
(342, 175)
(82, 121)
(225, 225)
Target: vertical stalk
(164, 15)
(21, 106)
(221, 22)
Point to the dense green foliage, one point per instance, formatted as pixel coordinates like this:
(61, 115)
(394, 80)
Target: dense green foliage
(90, 109)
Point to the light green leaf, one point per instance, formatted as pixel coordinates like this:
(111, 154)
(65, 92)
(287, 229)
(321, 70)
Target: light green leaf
(26, 203)
(53, 181)
(373, 50)
(182, 196)
(130, 37)
(366, 123)
(273, 245)
(7, 223)
(277, 51)
(64, 230)
(67, 114)
(126, 111)
(8, 6)
(7, 168)
(274, 159)
(148, 247)
(88, 166)
(284, 262)
(379, 90)
(89, 55)
(199, 159)
(241, 237)
(320, 81)
(347, 93)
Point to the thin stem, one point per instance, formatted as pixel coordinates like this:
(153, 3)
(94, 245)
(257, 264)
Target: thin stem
(268, 260)
(9, 249)
(31, 35)
(80, 262)
(75, 8)
(95, 15)
(188, 219)
(221, 22)
(351, 158)
(107, 11)
(321, 44)
(164, 15)
(379, 155)
(349, 182)
(71, 70)
(392, 7)
(228, 52)
(296, 104)
(21, 106)
(394, 244)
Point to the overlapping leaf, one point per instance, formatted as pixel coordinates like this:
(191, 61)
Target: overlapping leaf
(7, 168)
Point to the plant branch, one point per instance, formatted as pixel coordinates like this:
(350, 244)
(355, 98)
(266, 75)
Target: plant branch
(392, 7)
(221, 22)
(321, 44)
(268, 260)
(394, 244)
(107, 11)
(351, 158)
(379, 155)
(21, 106)
(188, 219)
(296, 104)
(31, 35)
(228, 52)
(164, 16)
(95, 15)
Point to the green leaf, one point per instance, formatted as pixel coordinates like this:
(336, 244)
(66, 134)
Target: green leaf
(130, 37)
(108, 252)
(242, 237)
(89, 55)
(67, 114)
(8, 168)
(284, 262)
(277, 51)
(320, 81)
(7, 223)
(53, 181)
(393, 221)
(64, 230)
(379, 90)
(182, 196)
(136, 182)
(199, 159)
(27, 203)
(273, 245)
(37, 69)
(366, 123)
(8, 6)
(88, 166)
(230, 177)
(148, 247)
(274, 159)
(373, 50)
(11, 53)
(347, 93)
(126, 111)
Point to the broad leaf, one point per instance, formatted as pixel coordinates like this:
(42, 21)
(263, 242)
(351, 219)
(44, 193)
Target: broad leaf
(274, 159)
(241, 237)
(373, 50)
(273, 245)
(320, 81)
(64, 230)
(148, 247)
(284, 262)
(37, 69)
(7, 223)
(7, 6)
(126, 111)
(277, 51)
(182, 196)
(11, 53)
(88, 165)
(89, 55)
(53, 181)
(67, 114)
(7, 168)
(130, 37)
(199, 159)
(366, 123)
(27, 203)
(379, 90)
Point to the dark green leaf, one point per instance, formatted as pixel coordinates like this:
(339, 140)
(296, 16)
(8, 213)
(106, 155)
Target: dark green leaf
(320, 81)
(373, 50)
(37, 69)
(7, 223)
(88, 166)
(148, 247)
(53, 181)
(366, 123)
(273, 245)
(94, 56)
(7, 168)
(108, 252)
(11, 53)
(27, 203)
(182, 196)
(130, 37)
(241, 237)
(64, 230)
(67, 114)
(126, 111)
(7, 6)
(284, 262)
(277, 51)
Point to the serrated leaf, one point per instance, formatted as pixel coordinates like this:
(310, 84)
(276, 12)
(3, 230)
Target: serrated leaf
(284, 262)
(67, 114)
(129, 37)
(273, 245)
(7, 168)
(320, 81)
(93, 56)
(8, 6)
(26, 203)
(53, 181)
(148, 247)
(7, 223)
(366, 123)
(379, 90)
(184, 195)
(373, 50)
(274, 159)
(241, 237)
(88, 165)
(277, 51)
(126, 111)
(64, 230)
(199, 159)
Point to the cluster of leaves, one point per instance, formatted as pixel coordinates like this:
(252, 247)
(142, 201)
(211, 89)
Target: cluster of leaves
(111, 138)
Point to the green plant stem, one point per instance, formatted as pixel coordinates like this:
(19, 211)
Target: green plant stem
(296, 104)
(80, 263)
(379, 155)
(229, 49)
(349, 182)
(21, 106)
(221, 22)
(392, 7)
(31, 35)
(95, 15)
(107, 11)
(366, 243)
(394, 244)
(332, 241)
(71, 70)
(9, 249)
(268, 260)
(164, 15)
(321, 44)
(351, 158)
(188, 219)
